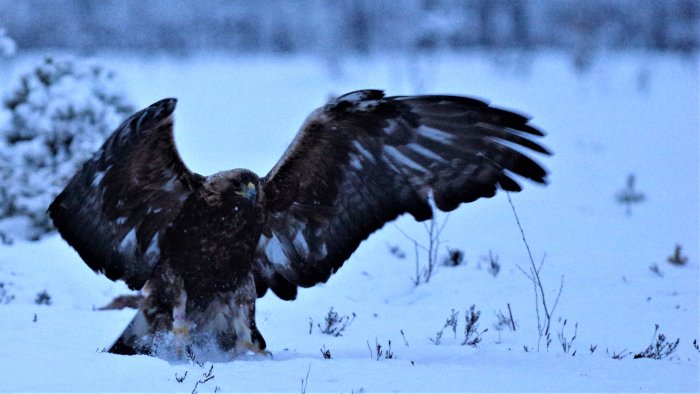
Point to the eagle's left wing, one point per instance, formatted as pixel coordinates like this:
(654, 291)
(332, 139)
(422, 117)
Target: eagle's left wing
(116, 208)
(364, 159)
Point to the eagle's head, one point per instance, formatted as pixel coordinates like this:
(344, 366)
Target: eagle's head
(231, 188)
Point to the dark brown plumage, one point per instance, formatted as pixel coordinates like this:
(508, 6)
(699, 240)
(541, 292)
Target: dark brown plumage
(203, 248)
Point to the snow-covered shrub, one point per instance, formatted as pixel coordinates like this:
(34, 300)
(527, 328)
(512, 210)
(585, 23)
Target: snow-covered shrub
(43, 298)
(472, 335)
(677, 258)
(630, 196)
(54, 117)
(660, 348)
(5, 296)
(7, 44)
(335, 323)
(386, 353)
(454, 258)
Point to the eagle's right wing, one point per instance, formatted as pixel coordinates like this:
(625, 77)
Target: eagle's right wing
(115, 209)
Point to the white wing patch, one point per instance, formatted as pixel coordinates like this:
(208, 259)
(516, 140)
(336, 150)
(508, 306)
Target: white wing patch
(364, 152)
(128, 243)
(153, 250)
(171, 184)
(100, 174)
(356, 162)
(396, 155)
(323, 252)
(435, 135)
(425, 152)
(300, 244)
(274, 251)
(392, 127)
(98, 178)
(152, 210)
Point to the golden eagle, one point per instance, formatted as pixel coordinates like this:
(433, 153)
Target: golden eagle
(204, 248)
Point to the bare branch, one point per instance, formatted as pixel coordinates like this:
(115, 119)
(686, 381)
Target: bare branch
(305, 382)
(543, 327)
(511, 316)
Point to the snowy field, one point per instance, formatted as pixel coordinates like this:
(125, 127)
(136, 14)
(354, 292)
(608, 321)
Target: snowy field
(634, 114)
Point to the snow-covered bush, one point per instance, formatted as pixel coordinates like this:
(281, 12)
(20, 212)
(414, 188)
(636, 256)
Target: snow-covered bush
(335, 323)
(7, 44)
(54, 117)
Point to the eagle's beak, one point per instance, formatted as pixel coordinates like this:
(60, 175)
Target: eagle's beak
(248, 191)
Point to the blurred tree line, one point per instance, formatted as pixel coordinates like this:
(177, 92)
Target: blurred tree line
(359, 26)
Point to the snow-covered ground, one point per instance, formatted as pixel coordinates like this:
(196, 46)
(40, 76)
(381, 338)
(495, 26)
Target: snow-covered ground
(634, 114)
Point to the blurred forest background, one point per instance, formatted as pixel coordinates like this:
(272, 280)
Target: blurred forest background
(59, 110)
(336, 28)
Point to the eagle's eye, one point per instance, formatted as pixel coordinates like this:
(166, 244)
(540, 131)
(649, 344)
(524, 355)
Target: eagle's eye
(247, 190)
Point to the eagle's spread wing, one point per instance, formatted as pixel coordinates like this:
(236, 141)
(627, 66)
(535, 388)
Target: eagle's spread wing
(364, 159)
(114, 210)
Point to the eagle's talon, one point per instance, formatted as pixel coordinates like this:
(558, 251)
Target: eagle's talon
(267, 353)
(253, 348)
